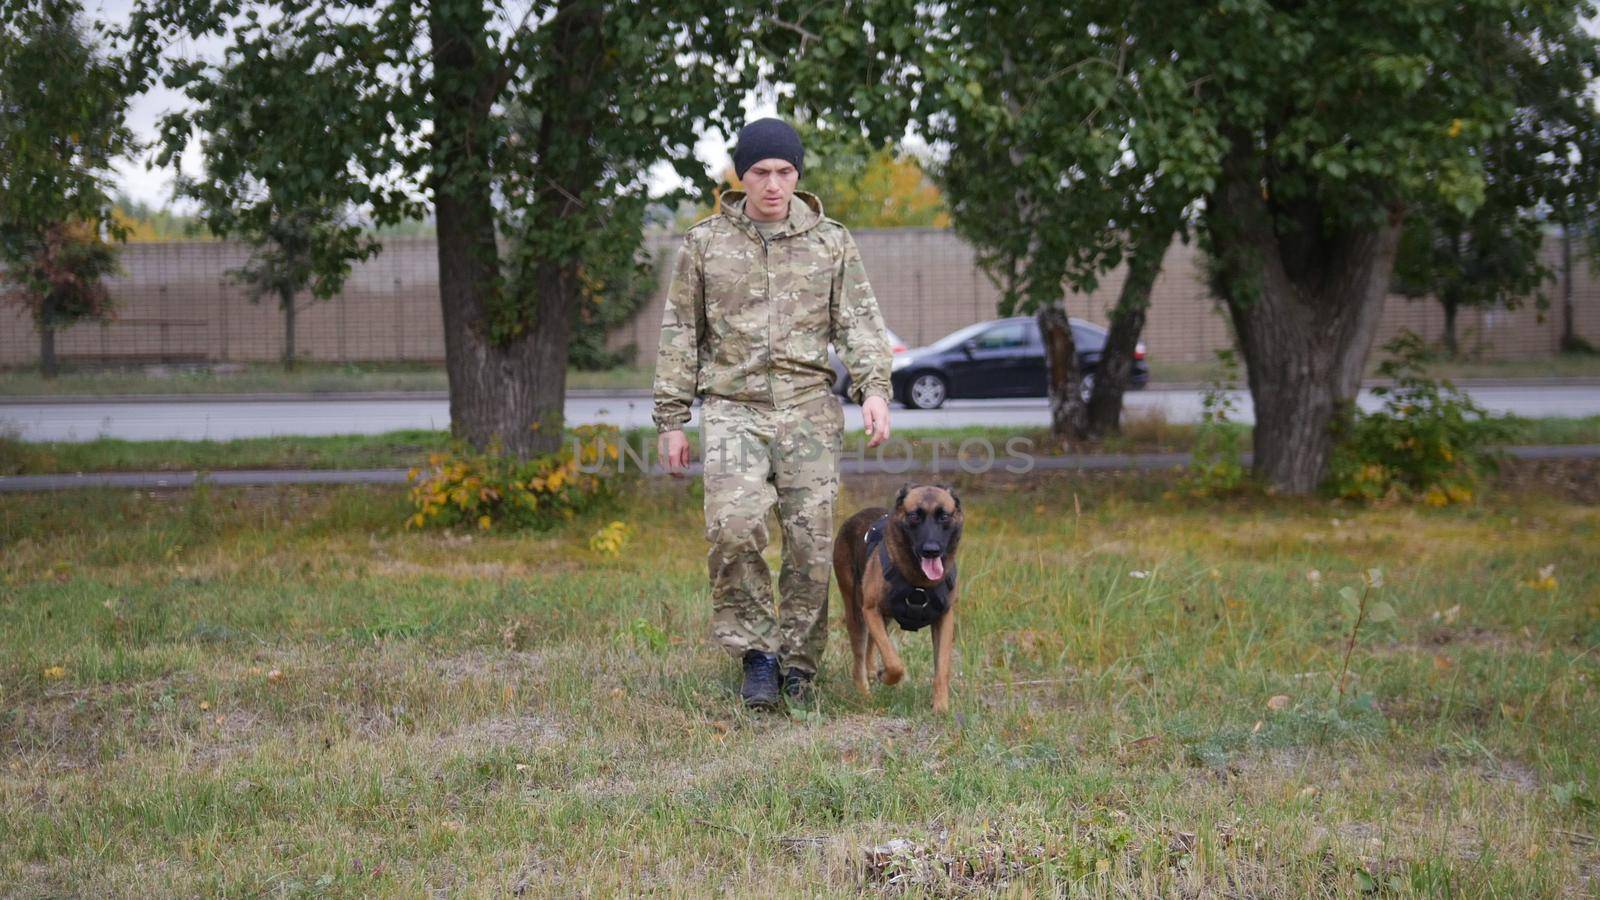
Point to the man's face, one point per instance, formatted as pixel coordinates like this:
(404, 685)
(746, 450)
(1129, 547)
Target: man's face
(768, 186)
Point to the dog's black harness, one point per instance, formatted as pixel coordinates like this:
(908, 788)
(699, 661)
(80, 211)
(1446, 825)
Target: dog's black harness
(913, 607)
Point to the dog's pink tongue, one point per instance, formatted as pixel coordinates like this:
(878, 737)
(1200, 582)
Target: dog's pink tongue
(933, 568)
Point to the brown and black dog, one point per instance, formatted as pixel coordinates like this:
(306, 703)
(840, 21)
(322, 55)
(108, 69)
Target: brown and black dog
(900, 564)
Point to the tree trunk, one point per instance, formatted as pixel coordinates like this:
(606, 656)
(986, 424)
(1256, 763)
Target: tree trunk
(287, 299)
(1451, 307)
(47, 348)
(1569, 334)
(1127, 321)
(1069, 416)
(1305, 301)
(507, 379)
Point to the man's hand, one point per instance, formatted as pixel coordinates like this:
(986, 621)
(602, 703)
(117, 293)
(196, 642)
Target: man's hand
(875, 419)
(673, 448)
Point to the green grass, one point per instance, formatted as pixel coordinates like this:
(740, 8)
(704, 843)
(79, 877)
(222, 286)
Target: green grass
(281, 691)
(266, 378)
(1141, 434)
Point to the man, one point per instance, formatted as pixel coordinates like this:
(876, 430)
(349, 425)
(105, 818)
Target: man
(759, 290)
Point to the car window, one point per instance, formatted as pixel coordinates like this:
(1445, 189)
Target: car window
(958, 337)
(1001, 337)
(1088, 339)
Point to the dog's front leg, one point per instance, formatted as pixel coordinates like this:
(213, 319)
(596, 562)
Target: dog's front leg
(944, 637)
(893, 668)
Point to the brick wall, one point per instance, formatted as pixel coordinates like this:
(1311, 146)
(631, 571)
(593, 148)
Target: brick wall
(176, 303)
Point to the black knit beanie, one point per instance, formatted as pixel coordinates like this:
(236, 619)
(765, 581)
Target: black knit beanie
(767, 139)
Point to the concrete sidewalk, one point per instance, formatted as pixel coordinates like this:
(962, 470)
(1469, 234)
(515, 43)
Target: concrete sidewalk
(265, 477)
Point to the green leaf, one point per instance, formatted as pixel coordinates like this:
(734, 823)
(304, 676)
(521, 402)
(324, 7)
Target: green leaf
(1381, 611)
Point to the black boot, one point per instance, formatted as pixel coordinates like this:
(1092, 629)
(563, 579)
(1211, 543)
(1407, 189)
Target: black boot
(760, 690)
(797, 686)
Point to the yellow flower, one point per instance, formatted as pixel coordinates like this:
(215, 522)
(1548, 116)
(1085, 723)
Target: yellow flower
(1455, 127)
(1546, 580)
(483, 522)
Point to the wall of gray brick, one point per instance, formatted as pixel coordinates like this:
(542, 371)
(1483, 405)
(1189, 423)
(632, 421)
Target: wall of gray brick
(176, 303)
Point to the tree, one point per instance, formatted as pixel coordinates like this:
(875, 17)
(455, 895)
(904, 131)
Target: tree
(61, 126)
(870, 188)
(58, 280)
(859, 186)
(1341, 119)
(1053, 170)
(300, 240)
(143, 222)
(400, 107)
(1487, 259)
(1331, 123)
(295, 250)
(613, 291)
(1538, 169)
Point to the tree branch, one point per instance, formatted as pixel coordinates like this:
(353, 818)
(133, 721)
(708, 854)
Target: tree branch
(806, 36)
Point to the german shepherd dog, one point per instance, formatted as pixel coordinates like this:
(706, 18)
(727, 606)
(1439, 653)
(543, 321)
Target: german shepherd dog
(900, 564)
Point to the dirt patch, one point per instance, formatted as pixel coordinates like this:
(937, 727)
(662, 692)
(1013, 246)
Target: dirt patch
(768, 747)
(520, 731)
(1576, 480)
(479, 665)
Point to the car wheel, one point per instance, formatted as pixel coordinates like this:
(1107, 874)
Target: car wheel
(1086, 386)
(926, 391)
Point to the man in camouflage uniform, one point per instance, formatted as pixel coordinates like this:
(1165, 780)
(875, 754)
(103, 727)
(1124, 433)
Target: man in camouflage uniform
(759, 291)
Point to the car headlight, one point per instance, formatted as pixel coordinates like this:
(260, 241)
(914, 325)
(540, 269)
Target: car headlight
(900, 362)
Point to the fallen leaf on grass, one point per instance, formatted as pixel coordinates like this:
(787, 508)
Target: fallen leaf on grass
(275, 675)
(55, 673)
(1278, 702)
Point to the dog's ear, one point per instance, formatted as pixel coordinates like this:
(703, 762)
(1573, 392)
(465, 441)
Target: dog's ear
(950, 489)
(900, 498)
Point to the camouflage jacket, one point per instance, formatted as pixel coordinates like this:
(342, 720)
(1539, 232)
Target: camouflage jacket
(750, 319)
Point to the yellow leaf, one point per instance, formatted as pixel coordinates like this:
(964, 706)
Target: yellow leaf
(483, 522)
(1455, 128)
(55, 673)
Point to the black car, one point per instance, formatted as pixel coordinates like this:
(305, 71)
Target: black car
(998, 358)
(841, 376)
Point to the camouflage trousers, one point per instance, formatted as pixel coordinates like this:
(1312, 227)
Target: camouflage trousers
(757, 457)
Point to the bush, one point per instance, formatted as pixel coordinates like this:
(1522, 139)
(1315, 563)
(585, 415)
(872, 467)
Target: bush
(1428, 442)
(488, 490)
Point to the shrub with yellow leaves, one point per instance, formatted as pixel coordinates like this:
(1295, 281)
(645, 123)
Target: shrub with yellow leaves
(611, 539)
(489, 490)
(1429, 442)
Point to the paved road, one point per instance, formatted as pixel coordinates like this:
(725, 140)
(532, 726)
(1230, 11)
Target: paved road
(223, 419)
